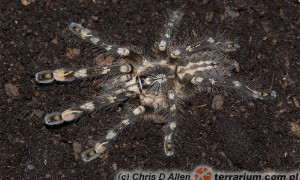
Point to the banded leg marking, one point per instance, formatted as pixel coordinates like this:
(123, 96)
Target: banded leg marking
(68, 74)
(210, 44)
(112, 134)
(263, 95)
(171, 25)
(91, 37)
(172, 120)
(73, 113)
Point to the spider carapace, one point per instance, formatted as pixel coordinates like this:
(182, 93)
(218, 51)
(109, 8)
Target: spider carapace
(159, 82)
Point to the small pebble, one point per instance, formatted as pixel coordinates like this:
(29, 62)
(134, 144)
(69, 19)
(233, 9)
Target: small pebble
(209, 16)
(38, 113)
(54, 41)
(30, 167)
(251, 104)
(217, 102)
(27, 2)
(95, 18)
(72, 53)
(76, 149)
(295, 129)
(114, 166)
(12, 90)
(158, 119)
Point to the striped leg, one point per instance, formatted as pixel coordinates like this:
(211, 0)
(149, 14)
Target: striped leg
(263, 95)
(68, 75)
(91, 37)
(73, 113)
(209, 44)
(172, 117)
(112, 134)
(171, 25)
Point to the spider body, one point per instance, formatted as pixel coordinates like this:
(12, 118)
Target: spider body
(159, 83)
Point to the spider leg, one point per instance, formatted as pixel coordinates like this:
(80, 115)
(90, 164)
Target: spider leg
(263, 95)
(208, 44)
(91, 37)
(73, 113)
(172, 118)
(167, 33)
(71, 74)
(112, 134)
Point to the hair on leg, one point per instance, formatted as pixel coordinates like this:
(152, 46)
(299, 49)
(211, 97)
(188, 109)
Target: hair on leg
(112, 134)
(73, 113)
(71, 74)
(225, 83)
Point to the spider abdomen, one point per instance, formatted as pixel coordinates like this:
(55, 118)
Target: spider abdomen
(207, 64)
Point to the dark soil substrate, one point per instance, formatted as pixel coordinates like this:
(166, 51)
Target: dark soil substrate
(241, 134)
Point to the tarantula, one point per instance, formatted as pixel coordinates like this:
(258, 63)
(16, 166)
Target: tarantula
(157, 82)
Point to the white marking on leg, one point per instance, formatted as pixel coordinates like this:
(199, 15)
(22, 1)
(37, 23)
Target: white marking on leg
(145, 62)
(199, 79)
(81, 73)
(175, 53)
(131, 82)
(188, 48)
(164, 62)
(171, 95)
(123, 51)
(172, 125)
(126, 122)
(105, 70)
(125, 68)
(193, 80)
(212, 81)
(147, 99)
(173, 107)
(125, 78)
(210, 40)
(110, 135)
(107, 48)
(162, 45)
(170, 24)
(99, 148)
(237, 84)
(139, 110)
(168, 137)
(134, 88)
(167, 35)
(273, 93)
(88, 106)
(85, 33)
(58, 74)
(256, 94)
(95, 40)
(68, 115)
(111, 99)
